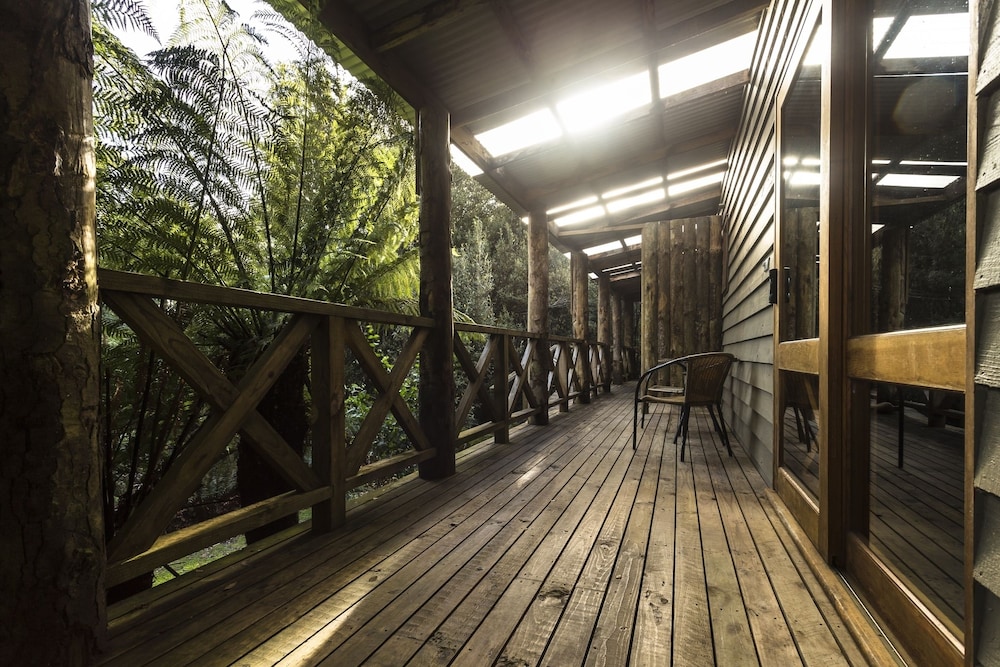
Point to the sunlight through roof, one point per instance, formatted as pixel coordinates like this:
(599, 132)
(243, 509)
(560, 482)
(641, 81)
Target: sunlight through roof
(659, 194)
(633, 240)
(604, 247)
(707, 65)
(529, 130)
(602, 104)
(583, 215)
(586, 201)
(695, 184)
(618, 192)
(684, 173)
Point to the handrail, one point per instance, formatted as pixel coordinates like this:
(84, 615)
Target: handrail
(498, 382)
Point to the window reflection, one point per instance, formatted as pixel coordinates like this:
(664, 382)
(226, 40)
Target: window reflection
(800, 428)
(801, 113)
(918, 164)
(916, 487)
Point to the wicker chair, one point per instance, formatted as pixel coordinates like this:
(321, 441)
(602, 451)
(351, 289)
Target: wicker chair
(704, 377)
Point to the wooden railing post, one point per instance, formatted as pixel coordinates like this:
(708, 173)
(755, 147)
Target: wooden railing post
(437, 379)
(328, 436)
(501, 371)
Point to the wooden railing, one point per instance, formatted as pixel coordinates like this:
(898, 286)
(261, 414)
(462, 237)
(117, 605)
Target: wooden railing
(497, 381)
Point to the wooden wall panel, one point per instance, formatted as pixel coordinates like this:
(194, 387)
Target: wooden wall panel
(748, 208)
(983, 420)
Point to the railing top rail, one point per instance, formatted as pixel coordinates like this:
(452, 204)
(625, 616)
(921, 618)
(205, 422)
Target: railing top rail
(178, 290)
(471, 327)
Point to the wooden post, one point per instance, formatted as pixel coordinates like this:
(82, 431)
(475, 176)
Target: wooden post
(628, 336)
(666, 296)
(538, 310)
(715, 259)
(604, 325)
(501, 370)
(677, 347)
(617, 338)
(437, 381)
(578, 266)
(328, 432)
(647, 328)
(52, 570)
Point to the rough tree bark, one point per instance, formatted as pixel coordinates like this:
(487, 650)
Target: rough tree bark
(52, 555)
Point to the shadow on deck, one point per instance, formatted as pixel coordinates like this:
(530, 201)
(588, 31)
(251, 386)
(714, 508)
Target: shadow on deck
(560, 548)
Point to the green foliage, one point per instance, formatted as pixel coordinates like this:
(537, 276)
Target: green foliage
(215, 166)
(491, 262)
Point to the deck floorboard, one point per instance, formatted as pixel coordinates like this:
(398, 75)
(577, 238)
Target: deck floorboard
(561, 548)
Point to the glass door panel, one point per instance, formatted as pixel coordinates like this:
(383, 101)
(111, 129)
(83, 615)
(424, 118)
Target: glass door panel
(796, 292)
(908, 520)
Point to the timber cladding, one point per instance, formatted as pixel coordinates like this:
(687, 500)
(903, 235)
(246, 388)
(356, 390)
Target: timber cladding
(983, 638)
(682, 289)
(748, 209)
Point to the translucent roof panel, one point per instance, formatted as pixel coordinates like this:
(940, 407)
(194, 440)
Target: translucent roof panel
(535, 128)
(707, 65)
(602, 104)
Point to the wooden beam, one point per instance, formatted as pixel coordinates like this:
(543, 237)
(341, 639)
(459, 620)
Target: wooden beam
(580, 288)
(421, 22)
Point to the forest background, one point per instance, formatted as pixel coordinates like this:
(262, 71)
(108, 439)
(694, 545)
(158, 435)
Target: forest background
(235, 151)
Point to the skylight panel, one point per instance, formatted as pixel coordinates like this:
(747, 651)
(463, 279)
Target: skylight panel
(535, 128)
(695, 184)
(618, 192)
(659, 194)
(583, 215)
(684, 173)
(602, 104)
(925, 181)
(586, 201)
(706, 65)
(925, 36)
(633, 240)
(604, 247)
(464, 163)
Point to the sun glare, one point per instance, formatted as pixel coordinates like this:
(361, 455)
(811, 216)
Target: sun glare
(602, 104)
(707, 65)
(535, 128)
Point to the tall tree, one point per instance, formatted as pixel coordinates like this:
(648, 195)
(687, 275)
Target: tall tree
(51, 570)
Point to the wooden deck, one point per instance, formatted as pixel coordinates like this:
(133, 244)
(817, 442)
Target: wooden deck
(561, 548)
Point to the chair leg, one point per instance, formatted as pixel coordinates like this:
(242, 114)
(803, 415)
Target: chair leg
(722, 431)
(635, 421)
(683, 428)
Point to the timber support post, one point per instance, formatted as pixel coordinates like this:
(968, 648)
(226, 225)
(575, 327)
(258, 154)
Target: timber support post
(437, 381)
(604, 327)
(578, 266)
(648, 326)
(51, 517)
(617, 338)
(538, 311)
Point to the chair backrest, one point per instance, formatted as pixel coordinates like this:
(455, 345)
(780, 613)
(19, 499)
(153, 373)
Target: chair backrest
(705, 376)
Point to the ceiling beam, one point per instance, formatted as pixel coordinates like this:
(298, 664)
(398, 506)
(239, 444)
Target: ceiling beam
(414, 25)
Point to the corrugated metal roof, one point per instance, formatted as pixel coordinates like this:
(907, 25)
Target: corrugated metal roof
(488, 62)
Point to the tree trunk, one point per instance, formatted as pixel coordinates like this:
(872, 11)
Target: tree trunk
(52, 563)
